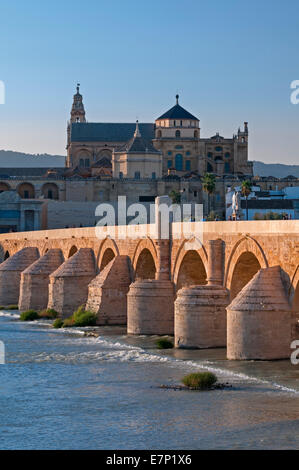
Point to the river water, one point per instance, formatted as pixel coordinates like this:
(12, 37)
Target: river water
(62, 390)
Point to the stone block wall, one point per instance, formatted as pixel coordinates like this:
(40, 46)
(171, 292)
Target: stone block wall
(107, 293)
(35, 280)
(68, 288)
(10, 274)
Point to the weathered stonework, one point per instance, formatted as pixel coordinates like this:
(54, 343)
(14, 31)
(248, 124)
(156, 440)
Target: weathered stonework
(10, 274)
(227, 254)
(68, 288)
(151, 308)
(107, 293)
(200, 317)
(35, 280)
(259, 320)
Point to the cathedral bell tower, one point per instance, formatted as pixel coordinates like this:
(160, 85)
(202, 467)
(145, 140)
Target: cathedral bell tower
(77, 115)
(78, 111)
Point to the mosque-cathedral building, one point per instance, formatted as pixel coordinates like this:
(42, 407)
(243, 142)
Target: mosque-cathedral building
(138, 160)
(175, 135)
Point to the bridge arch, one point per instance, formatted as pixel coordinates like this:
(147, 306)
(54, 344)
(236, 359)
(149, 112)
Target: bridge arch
(201, 262)
(145, 244)
(145, 265)
(107, 251)
(246, 259)
(191, 271)
(72, 251)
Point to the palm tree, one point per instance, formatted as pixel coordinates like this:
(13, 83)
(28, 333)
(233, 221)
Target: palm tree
(246, 190)
(209, 186)
(175, 196)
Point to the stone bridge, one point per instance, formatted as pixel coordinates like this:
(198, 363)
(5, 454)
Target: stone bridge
(211, 284)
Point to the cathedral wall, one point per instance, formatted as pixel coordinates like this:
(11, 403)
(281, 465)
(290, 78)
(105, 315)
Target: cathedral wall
(171, 149)
(90, 150)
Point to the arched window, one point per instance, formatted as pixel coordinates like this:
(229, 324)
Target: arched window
(87, 163)
(50, 191)
(26, 191)
(177, 134)
(179, 162)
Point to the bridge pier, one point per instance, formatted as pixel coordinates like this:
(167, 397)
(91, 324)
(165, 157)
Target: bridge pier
(107, 293)
(34, 287)
(68, 288)
(10, 274)
(259, 320)
(150, 307)
(151, 301)
(200, 311)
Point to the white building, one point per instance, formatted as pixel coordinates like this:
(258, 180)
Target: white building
(284, 203)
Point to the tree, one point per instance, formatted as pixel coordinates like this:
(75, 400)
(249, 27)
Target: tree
(175, 196)
(246, 190)
(209, 186)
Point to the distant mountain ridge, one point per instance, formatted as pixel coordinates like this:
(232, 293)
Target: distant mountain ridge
(277, 170)
(11, 159)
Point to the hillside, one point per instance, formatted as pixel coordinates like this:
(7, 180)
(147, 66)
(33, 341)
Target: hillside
(275, 169)
(10, 159)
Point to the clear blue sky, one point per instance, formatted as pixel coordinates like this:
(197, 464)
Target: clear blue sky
(230, 60)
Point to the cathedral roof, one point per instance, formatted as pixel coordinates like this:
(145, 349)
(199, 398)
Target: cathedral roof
(177, 112)
(109, 131)
(137, 144)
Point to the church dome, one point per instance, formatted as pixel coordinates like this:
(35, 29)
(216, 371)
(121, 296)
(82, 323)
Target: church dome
(177, 112)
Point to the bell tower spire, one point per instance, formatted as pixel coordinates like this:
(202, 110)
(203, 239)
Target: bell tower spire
(78, 111)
